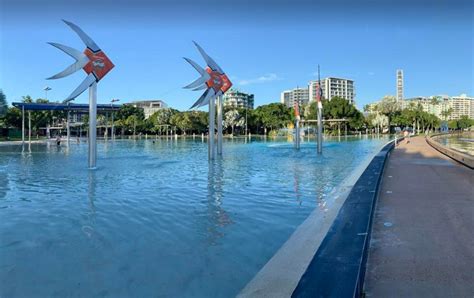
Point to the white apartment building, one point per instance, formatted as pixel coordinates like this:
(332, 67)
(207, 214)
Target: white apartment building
(238, 99)
(289, 97)
(332, 87)
(427, 104)
(462, 105)
(149, 106)
(399, 85)
(459, 105)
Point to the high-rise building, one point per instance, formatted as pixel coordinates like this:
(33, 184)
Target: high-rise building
(462, 105)
(237, 99)
(458, 105)
(286, 98)
(399, 85)
(149, 106)
(332, 87)
(289, 97)
(427, 104)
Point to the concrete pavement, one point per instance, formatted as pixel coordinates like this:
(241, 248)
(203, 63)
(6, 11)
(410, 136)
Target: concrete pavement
(422, 241)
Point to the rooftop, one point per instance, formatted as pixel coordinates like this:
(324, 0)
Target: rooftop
(31, 106)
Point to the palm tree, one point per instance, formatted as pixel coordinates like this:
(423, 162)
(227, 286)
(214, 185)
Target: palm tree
(435, 100)
(447, 113)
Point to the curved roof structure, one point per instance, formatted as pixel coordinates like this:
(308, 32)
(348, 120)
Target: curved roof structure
(31, 106)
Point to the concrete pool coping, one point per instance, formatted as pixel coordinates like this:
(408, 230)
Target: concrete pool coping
(458, 156)
(282, 274)
(7, 143)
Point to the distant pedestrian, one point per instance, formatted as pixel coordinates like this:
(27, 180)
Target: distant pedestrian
(406, 135)
(58, 140)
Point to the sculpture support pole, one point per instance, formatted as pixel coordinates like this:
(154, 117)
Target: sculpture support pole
(320, 116)
(212, 123)
(29, 127)
(320, 128)
(92, 125)
(23, 124)
(219, 125)
(297, 134)
(68, 128)
(113, 131)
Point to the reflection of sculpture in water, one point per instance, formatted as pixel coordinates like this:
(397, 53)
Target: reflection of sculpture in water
(218, 217)
(296, 182)
(88, 227)
(320, 198)
(4, 183)
(321, 201)
(26, 153)
(320, 189)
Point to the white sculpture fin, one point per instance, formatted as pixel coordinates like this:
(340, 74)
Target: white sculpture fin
(200, 81)
(89, 80)
(81, 61)
(85, 38)
(210, 62)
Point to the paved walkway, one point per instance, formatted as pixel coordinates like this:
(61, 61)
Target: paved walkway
(423, 231)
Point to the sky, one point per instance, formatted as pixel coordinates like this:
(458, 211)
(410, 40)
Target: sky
(265, 47)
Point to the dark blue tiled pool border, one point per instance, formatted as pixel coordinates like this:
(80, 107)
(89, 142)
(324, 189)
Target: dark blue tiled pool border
(338, 267)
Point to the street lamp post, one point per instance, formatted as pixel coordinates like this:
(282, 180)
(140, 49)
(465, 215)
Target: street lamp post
(112, 111)
(320, 116)
(246, 118)
(46, 89)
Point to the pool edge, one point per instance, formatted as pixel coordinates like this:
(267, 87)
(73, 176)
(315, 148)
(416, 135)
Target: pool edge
(282, 274)
(452, 153)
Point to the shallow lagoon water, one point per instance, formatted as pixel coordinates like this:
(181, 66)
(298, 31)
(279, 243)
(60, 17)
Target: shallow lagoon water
(462, 142)
(157, 219)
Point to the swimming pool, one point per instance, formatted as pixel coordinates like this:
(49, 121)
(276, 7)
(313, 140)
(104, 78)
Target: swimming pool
(157, 219)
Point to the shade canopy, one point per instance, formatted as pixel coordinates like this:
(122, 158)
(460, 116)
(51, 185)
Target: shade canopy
(31, 106)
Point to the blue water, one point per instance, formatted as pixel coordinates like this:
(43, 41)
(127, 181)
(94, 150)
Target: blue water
(157, 219)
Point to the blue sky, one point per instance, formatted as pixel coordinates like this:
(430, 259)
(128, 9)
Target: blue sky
(264, 47)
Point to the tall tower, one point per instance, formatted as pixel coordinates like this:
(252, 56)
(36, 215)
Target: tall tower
(399, 84)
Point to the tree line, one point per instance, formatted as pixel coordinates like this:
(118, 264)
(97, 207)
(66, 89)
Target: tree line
(265, 119)
(388, 114)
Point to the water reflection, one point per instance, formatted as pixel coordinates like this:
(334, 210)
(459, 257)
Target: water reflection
(89, 220)
(463, 142)
(296, 183)
(3, 182)
(179, 225)
(218, 217)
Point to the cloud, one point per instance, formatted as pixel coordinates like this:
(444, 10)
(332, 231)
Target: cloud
(262, 79)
